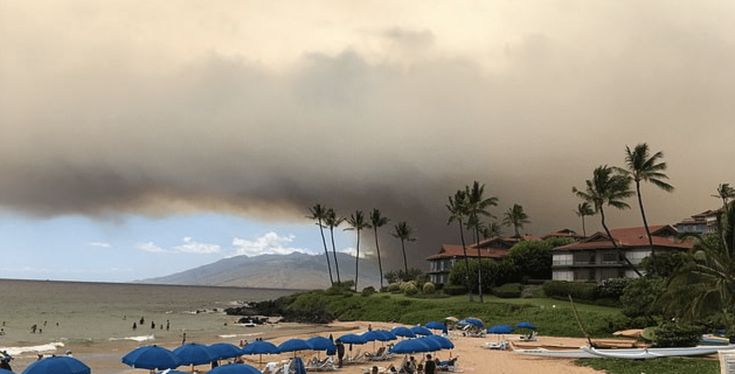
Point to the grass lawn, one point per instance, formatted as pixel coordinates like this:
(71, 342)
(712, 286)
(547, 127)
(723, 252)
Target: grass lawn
(553, 317)
(664, 366)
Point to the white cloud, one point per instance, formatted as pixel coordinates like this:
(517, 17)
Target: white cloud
(99, 244)
(192, 246)
(150, 247)
(270, 243)
(352, 252)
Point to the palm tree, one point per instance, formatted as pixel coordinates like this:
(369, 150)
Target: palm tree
(516, 217)
(377, 220)
(318, 213)
(584, 209)
(404, 232)
(357, 223)
(724, 193)
(491, 230)
(705, 285)
(332, 221)
(607, 188)
(457, 208)
(477, 206)
(641, 166)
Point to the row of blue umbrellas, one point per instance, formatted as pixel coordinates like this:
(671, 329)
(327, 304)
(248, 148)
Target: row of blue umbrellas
(497, 329)
(431, 343)
(507, 329)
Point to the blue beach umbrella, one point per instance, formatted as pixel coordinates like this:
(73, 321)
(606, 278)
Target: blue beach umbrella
(500, 329)
(151, 357)
(526, 325)
(194, 354)
(260, 347)
(58, 365)
(434, 325)
(3, 371)
(421, 330)
(433, 344)
(378, 335)
(403, 331)
(320, 343)
(472, 322)
(235, 369)
(225, 350)
(411, 346)
(352, 339)
(443, 342)
(294, 345)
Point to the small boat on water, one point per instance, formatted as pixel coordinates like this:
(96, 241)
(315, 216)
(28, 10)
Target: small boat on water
(624, 353)
(649, 353)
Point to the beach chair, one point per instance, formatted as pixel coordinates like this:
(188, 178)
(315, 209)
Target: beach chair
(382, 355)
(532, 337)
(500, 346)
(357, 358)
(273, 368)
(727, 362)
(325, 365)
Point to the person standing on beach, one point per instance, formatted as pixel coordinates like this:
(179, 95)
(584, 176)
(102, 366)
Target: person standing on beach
(168, 324)
(142, 320)
(183, 339)
(430, 365)
(340, 352)
(153, 325)
(135, 326)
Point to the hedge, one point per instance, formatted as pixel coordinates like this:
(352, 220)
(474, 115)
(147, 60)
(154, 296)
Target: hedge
(508, 291)
(578, 290)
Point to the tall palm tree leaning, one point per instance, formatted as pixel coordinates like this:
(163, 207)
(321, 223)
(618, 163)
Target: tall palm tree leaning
(516, 217)
(377, 220)
(724, 193)
(319, 213)
(477, 206)
(404, 232)
(333, 221)
(457, 208)
(584, 209)
(357, 223)
(607, 188)
(641, 166)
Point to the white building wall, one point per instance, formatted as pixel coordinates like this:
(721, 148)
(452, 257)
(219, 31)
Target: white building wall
(637, 255)
(562, 275)
(562, 259)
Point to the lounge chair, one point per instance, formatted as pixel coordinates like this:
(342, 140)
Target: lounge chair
(727, 362)
(451, 365)
(273, 368)
(381, 355)
(324, 365)
(500, 346)
(357, 358)
(532, 337)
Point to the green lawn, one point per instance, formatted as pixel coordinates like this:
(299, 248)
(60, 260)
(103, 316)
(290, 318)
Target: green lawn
(553, 317)
(663, 366)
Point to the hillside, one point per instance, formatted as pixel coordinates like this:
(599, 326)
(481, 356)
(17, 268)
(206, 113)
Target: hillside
(292, 271)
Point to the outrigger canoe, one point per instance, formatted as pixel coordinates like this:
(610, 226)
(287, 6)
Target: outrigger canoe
(649, 353)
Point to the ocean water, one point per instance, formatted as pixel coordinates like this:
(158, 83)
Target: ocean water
(74, 314)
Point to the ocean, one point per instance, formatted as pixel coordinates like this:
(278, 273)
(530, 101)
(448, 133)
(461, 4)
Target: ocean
(80, 315)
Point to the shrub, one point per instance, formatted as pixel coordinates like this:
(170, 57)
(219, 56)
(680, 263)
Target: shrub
(493, 273)
(558, 242)
(531, 259)
(453, 290)
(667, 263)
(639, 298)
(429, 288)
(533, 291)
(578, 290)
(671, 334)
(367, 291)
(394, 287)
(413, 274)
(508, 291)
(612, 288)
(405, 285)
(410, 289)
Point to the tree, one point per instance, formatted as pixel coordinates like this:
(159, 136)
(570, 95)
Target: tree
(584, 209)
(491, 230)
(357, 223)
(477, 206)
(724, 193)
(641, 166)
(458, 212)
(333, 221)
(531, 258)
(607, 188)
(516, 217)
(377, 220)
(404, 232)
(705, 285)
(319, 213)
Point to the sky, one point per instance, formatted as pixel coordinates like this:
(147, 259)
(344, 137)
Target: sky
(166, 129)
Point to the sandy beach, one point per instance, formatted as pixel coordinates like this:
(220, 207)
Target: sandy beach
(105, 358)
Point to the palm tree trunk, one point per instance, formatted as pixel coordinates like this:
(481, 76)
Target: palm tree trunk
(466, 260)
(721, 224)
(479, 262)
(357, 259)
(584, 229)
(334, 252)
(617, 249)
(405, 262)
(380, 264)
(326, 252)
(645, 225)
(515, 229)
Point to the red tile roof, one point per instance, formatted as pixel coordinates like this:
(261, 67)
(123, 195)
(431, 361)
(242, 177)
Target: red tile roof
(451, 250)
(664, 236)
(563, 233)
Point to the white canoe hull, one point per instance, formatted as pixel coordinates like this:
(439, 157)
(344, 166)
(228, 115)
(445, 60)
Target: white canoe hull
(560, 353)
(649, 353)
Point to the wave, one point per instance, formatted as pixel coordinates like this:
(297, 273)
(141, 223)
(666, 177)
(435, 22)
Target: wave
(229, 336)
(49, 347)
(141, 338)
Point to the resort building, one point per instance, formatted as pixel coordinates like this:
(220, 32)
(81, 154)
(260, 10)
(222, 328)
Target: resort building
(441, 263)
(702, 223)
(563, 233)
(596, 259)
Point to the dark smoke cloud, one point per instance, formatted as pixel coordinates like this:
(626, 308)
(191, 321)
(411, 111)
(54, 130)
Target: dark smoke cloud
(102, 134)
